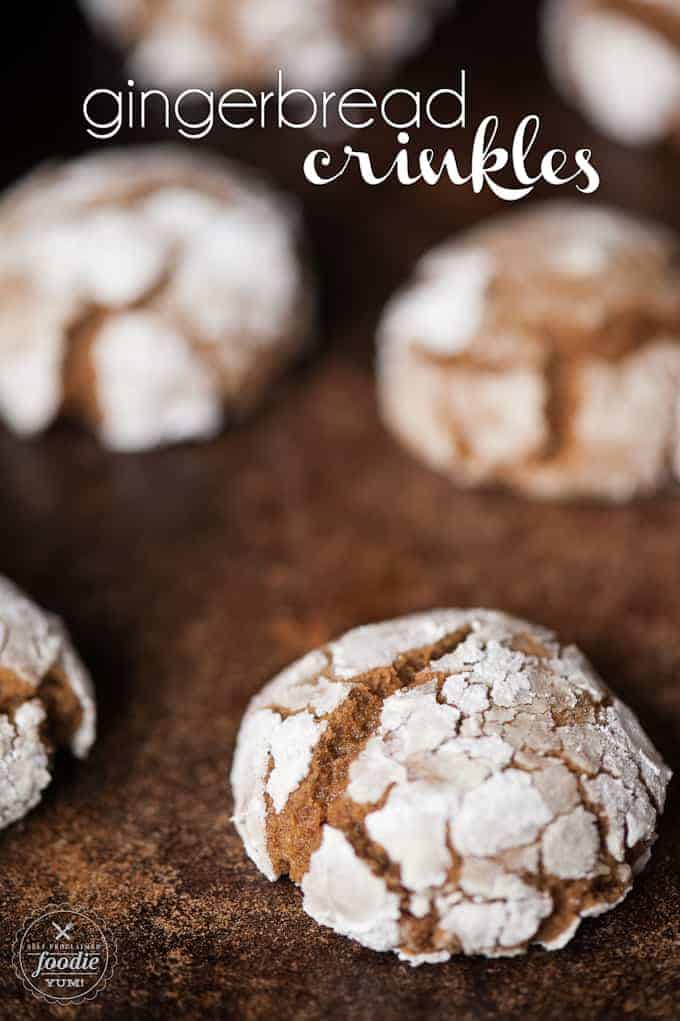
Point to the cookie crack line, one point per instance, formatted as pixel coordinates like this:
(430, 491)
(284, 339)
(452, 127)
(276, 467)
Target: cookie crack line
(449, 782)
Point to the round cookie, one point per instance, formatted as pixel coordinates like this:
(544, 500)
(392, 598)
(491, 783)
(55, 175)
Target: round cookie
(541, 351)
(46, 701)
(149, 293)
(318, 44)
(450, 782)
(619, 62)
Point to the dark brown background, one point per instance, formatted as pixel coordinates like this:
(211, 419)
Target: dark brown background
(189, 576)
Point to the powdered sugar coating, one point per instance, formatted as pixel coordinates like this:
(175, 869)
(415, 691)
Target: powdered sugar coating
(494, 794)
(180, 397)
(24, 772)
(541, 351)
(341, 891)
(35, 655)
(447, 310)
(318, 43)
(619, 62)
(150, 292)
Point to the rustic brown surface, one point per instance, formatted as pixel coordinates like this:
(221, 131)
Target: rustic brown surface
(190, 575)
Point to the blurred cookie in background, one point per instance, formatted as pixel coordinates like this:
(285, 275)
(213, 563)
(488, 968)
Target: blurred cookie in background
(618, 61)
(217, 43)
(150, 293)
(541, 351)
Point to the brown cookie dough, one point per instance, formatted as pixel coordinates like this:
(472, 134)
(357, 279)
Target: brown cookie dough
(451, 782)
(149, 293)
(318, 44)
(542, 352)
(46, 701)
(619, 62)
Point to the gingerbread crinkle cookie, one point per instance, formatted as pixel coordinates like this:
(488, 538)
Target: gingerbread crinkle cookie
(618, 61)
(152, 294)
(318, 44)
(451, 782)
(541, 351)
(46, 701)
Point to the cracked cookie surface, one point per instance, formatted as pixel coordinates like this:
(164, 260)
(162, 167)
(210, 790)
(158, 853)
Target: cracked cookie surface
(541, 351)
(317, 43)
(46, 701)
(450, 782)
(150, 293)
(618, 61)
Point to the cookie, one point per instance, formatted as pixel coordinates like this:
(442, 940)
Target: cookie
(618, 61)
(150, 293)
(542, 352)
(318, 44)
(450, 782)
(46, 701)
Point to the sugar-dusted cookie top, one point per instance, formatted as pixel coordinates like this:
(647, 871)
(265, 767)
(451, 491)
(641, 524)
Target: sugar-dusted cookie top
(541, 351)
(151, 293)
(451, 782)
